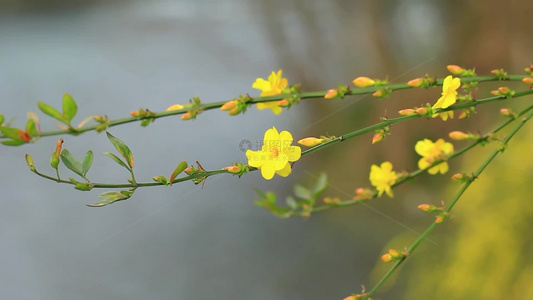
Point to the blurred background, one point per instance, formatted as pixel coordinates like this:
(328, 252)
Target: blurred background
(184, 242)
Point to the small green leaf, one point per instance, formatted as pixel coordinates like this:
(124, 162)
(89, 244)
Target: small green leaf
(87, 162)
(302, 192)
(292, 203)
(31, 128)
(122, 149)
(1, 119)
(69, 107)
(52, 112)
(110, 197)
(71, 162)
(117, 160)
(180, 168)
(320, 185)
(13, 142)
(10, 132)
(54, 160)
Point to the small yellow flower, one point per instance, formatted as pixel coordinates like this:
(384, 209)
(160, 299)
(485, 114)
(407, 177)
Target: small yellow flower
(275, 155)
(449, 96)
(271, 87)
(383, 178)
(431, 152)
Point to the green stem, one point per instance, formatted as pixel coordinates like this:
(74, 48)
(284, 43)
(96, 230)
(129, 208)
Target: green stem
(304, 95)
(430, 228)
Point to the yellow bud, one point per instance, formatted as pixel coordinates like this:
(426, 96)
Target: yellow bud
(424, 207)
(458, 176)
(417, 82)
(331, 94)
(234, 111)
(174, 107)
(132, 113)
(455, 69)
(439, 219)
(459, 135)
(378, 94)
(394, 253)
(463, 115)
(407, 112)
(310, 141)
(187, 116)
(528, 80)
(363, 82)
(378, 137)
(386, 257)
(229, 105)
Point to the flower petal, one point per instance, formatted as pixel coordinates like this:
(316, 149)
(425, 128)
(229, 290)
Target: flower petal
(285, 171)
(267, 170)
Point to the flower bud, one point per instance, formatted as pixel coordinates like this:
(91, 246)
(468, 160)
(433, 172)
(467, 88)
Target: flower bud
(386, 257)
(421, 111)
(229, 105)
(174, 107)
(378, 137)
(463, 115)
(528, 80)
(232, 169)
(363, 82)
(331, 94)
(507, 112)
(417, 82)
(234, 111)
(455, 69)
(187, 116)
(394, 253)
(459, 135)
(439, 219)
(529, 69)
(189, 170)
(407, 112)
(132, 113)
(284, 103)
(424, 207)
(459, 177)
(310, 141)
(378, 93)
(29, 161)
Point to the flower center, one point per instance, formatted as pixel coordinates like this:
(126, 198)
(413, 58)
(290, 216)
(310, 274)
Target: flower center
(274, 152)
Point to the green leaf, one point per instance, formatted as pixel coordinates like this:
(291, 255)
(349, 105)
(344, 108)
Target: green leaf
(110, 197)
(1, 119)
(52, 112)
(69, 107)
(122, 149)
(292, 203)
(10, 132)
(180, 168)
(71, 162)
(302, 192)
(117, 160)
(87, 162)
(320, 185)
(13, 142)
(31, 128)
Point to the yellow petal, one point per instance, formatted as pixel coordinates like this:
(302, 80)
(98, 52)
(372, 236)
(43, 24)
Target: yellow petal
(255, 158)
(293, 153)
(261, 84)
(267, 170)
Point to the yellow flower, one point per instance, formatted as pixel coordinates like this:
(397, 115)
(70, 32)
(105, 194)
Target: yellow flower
(449, 96)
(431, 152)
(174, 107)
(271, 87)
(275, 155)
(383, 178)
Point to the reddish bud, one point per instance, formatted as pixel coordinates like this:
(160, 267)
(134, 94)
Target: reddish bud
(24, 135)
(455, 69)
(459, 135)
(421, 111)
(415, 82)
(386, 257)
(378, 137)
(284, 103)
(229, 105)
(331, 94)
(394, 253)
(187, 116)
(232, 169)
(132, 113)
(425, 207)
(407, 112)
(528, 80)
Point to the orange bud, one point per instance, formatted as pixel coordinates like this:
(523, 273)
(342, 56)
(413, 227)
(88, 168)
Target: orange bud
(132, 113)
(394, 253)
(439, 219)
(363, 82)
(359, 191)
(407, 112)
(417, 82)
(507, 112)
(386, 257)
(378, 137)
(187, 116)
(495, 92)
(463, 115)
(229, 105)
(503, 90)
(189, 170)
(424, 207)
(527, 80)
(174, 107)
(310, 141)
(455, 69)
(232, 169)
(459, 135)
(421, 111)
(378, 94)
(331, 94)
(284, 103)
(24, 135)
(458, 176)
(58, 146)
